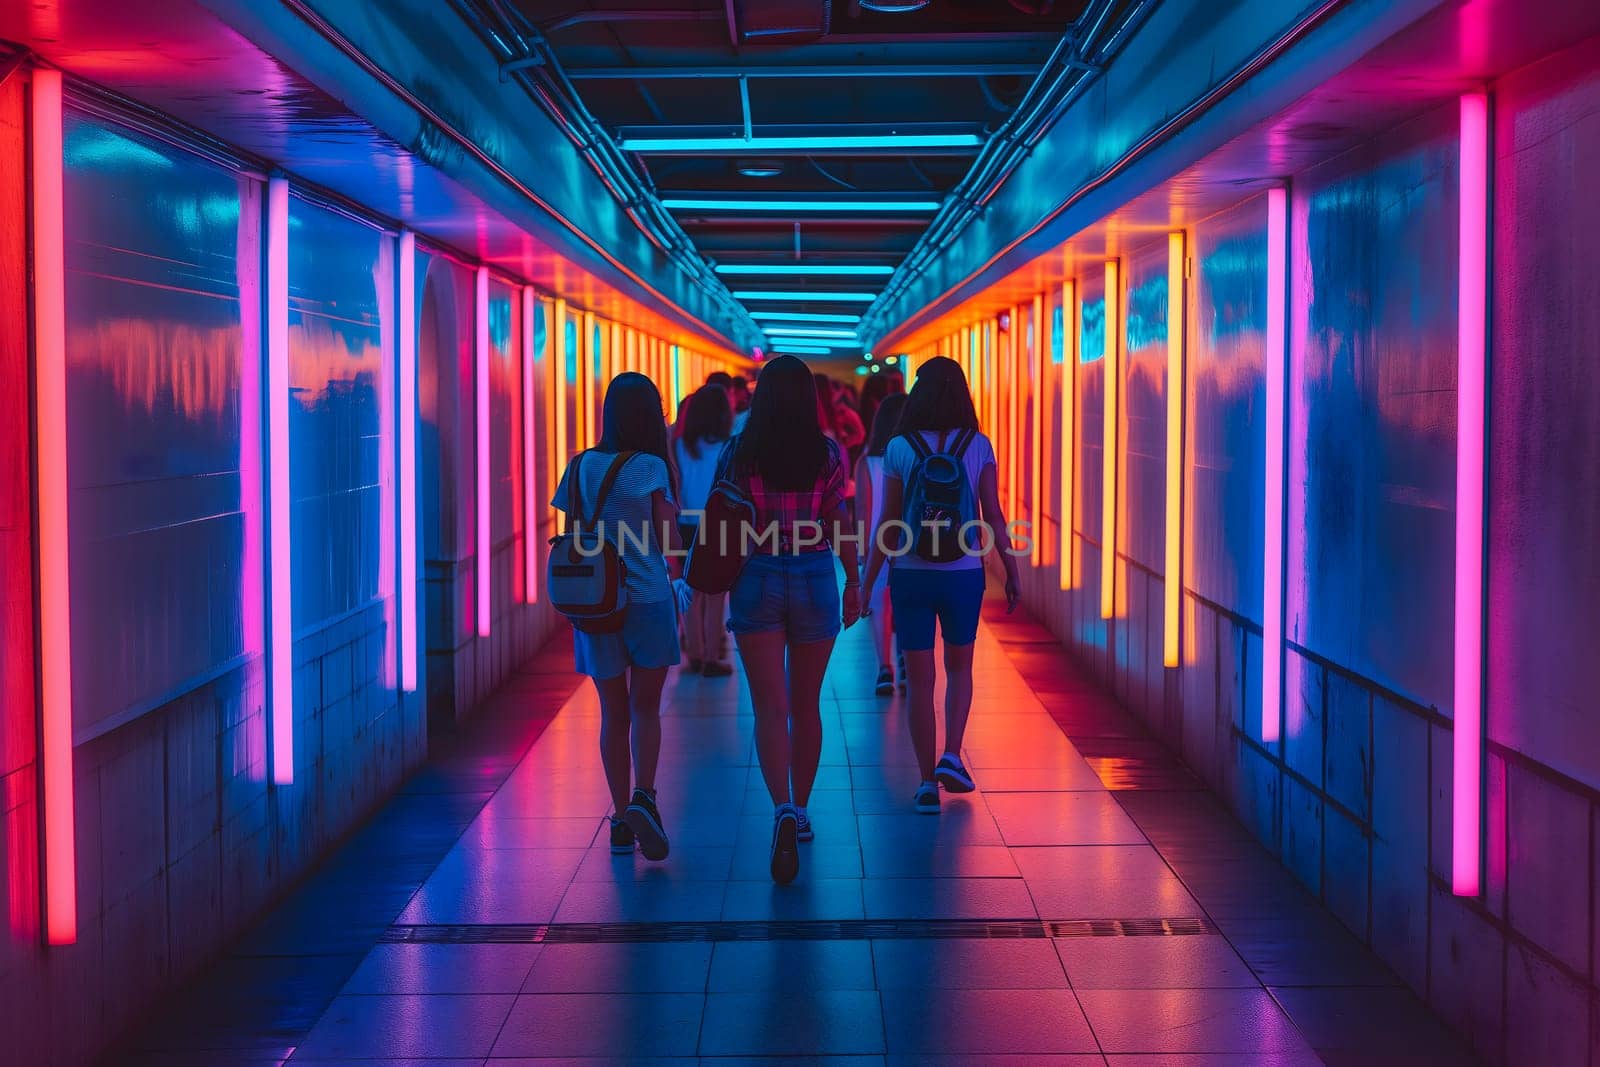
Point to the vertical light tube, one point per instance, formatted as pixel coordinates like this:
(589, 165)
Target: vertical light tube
(1472, 354)
(588, 384)
(480, 359)
(558, 393)
(1108, 489)
(677, 381)
(278, 500)
(1173, 579)
(408, 461)
(1276, 364)
(1013, 362)
(1036, 435)
(530, 477)
(1069, 428)
(55, 604)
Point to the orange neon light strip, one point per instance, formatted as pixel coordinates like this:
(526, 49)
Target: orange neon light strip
(1069, 430)
(1173, 585)
(55, 602)
(1108, 490)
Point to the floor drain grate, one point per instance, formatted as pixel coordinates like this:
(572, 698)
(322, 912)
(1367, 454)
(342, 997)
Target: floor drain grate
(797, 930)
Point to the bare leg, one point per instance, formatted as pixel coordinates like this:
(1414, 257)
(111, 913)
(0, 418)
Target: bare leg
(762, 654)
(615, 719)
(957, 695)
(807, 663)
(644, 703)
(716, 632)
(919, 708)
(693, 641)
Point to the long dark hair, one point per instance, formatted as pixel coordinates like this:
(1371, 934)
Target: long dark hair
(707, 418)
(631, 420)
(886, 423)
(782, 440)
(940, 399)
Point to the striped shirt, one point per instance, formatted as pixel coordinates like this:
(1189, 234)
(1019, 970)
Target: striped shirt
(627, 520)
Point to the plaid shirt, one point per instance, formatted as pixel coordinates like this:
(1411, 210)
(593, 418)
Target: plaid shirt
(792, 512)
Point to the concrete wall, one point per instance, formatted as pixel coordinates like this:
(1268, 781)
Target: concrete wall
(1356, 796)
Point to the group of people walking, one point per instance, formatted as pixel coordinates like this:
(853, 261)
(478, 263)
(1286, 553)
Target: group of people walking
(915, 486)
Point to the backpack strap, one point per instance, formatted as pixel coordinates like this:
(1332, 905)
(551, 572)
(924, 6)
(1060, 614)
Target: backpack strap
(617, 463)
(918, 445)
(962, 442)
(575, 516)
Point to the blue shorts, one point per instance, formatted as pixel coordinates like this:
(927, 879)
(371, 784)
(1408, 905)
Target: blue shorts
(797, 594)
(649, 638)
(953, 598)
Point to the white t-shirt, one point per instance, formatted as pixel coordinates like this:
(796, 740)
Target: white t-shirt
(630, 505)
(696, 476)
(900, 459)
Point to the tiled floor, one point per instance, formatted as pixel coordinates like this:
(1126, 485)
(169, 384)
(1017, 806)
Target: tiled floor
(491, 958)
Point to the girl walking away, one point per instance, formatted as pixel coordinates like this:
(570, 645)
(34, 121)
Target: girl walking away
(623, 489)
(707, 422)
(785, 609)
(937, 472)
(869, 509)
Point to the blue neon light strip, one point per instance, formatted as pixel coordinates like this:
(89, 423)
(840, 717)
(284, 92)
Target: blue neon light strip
(808, 331)
(819, 296)
(806, 316)
(819, 342)
(756, 207)
(831, 269)
(801, 144)
(801, 350)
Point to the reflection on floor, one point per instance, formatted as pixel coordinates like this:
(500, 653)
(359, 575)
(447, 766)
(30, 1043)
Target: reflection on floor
(1089, 903)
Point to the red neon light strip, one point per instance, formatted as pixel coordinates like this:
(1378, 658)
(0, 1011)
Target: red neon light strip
(1472, 354)
(530, 476)
(408, 461)
(55, 605)
(481, 390)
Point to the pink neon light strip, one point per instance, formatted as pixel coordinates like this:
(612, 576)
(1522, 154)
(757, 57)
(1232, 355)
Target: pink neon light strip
(1276, 344)
(480, 350)
(55, 611)
(282, 624)
(530, 474)
(408, 462)
(1472, 356)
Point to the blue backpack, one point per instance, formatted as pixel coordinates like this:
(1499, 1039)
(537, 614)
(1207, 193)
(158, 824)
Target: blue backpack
(940, 499)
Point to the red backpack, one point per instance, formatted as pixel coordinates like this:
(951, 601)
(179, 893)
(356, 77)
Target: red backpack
(720, 551)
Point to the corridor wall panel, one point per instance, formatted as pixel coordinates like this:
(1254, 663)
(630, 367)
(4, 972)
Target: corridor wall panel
(1370, 572)
(154, 341)
(1142, 477)
(1092, 630)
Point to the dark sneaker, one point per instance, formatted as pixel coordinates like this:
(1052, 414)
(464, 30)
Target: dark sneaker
(715, 668)
(803, 831)
(952, 775)
(622, 841)
(645, 821)
(885, 682)
(785, 845)
(927, 799)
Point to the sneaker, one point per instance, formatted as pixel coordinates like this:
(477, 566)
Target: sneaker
(622, 839)
(785, 849)
(645, 821)
(713, 668)
(952, 775)
(885, 682)
(803, 831)
(927, 799)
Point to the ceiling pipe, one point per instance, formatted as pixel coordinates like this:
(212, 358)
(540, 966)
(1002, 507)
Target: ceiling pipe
(583, 18)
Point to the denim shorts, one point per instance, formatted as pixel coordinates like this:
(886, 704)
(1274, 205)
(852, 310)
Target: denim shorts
(649, 638)
(953, 598)
(797, 594)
